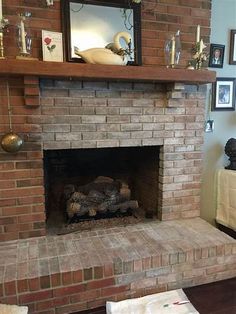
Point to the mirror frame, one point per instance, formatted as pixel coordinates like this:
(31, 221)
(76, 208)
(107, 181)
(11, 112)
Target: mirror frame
(65, 16)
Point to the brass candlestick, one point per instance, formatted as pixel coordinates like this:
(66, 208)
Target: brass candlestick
(3, 23)
(200, 54)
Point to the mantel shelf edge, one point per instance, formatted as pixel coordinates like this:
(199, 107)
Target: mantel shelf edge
(11, 67)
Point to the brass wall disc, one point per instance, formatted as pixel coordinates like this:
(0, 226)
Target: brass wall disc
(11, 142)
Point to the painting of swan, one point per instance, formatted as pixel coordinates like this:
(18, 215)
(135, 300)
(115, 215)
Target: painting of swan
(112, 54)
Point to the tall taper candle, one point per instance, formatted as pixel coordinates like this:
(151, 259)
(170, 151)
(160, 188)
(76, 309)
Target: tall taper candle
(22, 33)
(0, 10)
(172, 51)
(198, 34)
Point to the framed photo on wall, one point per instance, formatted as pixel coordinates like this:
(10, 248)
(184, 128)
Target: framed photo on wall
(232, 51)
(216, 58)
(223, 94)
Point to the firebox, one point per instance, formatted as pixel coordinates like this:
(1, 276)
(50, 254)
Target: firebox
(100, 183)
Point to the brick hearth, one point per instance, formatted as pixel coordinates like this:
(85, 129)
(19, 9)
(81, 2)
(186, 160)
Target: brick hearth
(64, 274)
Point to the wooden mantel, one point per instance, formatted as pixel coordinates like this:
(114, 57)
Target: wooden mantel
(10, 67)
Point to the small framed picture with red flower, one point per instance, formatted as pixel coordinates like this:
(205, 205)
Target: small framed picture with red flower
(52, 46)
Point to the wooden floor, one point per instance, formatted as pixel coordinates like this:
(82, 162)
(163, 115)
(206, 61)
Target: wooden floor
(214, 298)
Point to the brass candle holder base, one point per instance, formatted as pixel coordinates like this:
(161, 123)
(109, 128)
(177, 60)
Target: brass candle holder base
(170, 66)
(25, 58)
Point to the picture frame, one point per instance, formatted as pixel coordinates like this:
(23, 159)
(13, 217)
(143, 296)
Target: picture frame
(223, 94)
(93, 24)
(232, 50)
(216, 57)
(52, 46)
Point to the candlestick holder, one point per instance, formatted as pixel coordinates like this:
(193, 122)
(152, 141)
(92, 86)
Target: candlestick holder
(24, 37)
(3, 24)
(172, 50)
(199, 55)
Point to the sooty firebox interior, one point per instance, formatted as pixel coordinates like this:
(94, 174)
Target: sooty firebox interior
(99, 183)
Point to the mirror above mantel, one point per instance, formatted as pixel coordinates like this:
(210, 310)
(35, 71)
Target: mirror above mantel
(91, 24)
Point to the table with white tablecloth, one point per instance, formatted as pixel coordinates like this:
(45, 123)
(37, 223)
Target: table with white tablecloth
(226, 198)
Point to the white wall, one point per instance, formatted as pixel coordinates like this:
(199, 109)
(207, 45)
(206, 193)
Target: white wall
(223, 20)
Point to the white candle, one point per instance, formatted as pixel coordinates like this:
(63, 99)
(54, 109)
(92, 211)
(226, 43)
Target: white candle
(201, 46)
(198, 34)
(0, 10)
(173, 51)
(22, 32)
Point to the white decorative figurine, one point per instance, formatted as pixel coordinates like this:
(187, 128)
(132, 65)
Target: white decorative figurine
(112, 54)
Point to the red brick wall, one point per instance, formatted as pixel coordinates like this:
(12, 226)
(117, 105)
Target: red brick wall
(164, 17)
(21, 175)
(160, 18)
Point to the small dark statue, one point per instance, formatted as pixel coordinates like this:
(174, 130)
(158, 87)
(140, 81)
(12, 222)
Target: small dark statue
(230, 150)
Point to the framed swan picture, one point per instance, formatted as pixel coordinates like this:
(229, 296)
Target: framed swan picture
(102, 31)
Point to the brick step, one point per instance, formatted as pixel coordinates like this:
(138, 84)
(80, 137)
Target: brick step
(75, 272)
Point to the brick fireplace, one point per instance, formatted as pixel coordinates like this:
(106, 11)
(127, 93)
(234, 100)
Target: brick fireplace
(66, 274)
(77, 115)
(78, 108)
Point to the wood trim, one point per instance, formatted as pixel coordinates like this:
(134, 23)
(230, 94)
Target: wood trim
(105, 72)
(232, 46)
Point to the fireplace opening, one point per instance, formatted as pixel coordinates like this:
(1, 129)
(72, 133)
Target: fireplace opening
(92, 184)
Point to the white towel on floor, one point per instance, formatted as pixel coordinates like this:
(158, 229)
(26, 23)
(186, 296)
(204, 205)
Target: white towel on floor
(159, 303)
(226, 198)
(13, 309)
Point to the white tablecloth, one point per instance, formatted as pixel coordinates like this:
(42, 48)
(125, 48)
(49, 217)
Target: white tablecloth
(159, 303)
(226, 198)
(13, 309)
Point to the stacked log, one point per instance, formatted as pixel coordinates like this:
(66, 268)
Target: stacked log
(102, 195)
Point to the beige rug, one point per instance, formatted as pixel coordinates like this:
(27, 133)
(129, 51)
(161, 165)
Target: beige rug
(170, 302)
